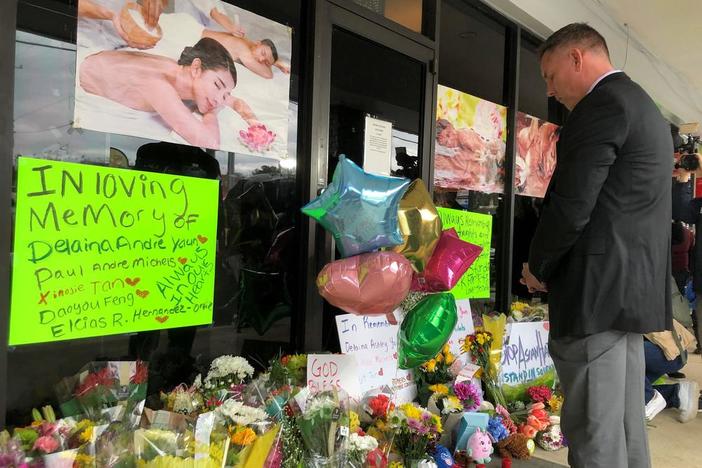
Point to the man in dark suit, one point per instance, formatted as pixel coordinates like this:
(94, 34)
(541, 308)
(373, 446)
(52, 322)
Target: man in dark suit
(602, 247)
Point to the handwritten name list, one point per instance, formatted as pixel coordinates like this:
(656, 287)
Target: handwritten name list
(101, 251)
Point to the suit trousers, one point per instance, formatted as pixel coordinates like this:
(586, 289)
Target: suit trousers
(602, 377)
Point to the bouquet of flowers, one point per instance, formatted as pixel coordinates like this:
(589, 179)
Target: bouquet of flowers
(105, 390)
(11, 453)
(479, 345)
(360, 446)
(241, 421)
(226, 379)
(416, 432)
(183, 400)
(324, 429)
(288, 370)
(523, 312)
(435, 371)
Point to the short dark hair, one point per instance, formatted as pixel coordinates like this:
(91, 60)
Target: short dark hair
(274, 50)
(574, 33)
(212, 55)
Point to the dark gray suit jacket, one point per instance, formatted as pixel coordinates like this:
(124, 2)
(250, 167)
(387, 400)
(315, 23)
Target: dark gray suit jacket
(602, 245)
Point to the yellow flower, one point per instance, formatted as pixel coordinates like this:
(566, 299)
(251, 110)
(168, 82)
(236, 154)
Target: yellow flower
(411, 411)
(244, 437)
(86, 435)
(439, 358)
(446, 349)
(430, 365)
(480, 339)
(354, 421)
(436, 420)
(439, 389)
(450, 358)
(83, 460)
(555, 403)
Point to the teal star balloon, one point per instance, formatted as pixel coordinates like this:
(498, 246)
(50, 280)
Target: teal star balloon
(359, 209)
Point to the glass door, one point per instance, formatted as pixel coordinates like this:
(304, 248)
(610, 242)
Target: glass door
(374, 89)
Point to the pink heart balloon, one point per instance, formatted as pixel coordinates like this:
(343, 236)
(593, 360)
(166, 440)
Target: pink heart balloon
(368, 284)
(451, 259)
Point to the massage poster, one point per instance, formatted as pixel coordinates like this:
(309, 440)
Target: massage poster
(536, 155)
(471, 134)
(198, 72)
(102, 251)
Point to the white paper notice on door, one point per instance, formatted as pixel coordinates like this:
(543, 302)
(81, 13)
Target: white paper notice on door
(377, 146)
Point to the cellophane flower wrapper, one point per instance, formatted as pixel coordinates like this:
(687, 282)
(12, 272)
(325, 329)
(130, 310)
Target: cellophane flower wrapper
(324, 427)
(114, 447)
(100, 387)
(12, 455)
(359, 448)
(163, 433)
(183, 400)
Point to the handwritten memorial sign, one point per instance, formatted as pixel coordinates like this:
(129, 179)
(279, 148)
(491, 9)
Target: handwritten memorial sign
(373, 340)
(525, 359)
(101, 251)
(475, 228)
(333, 372)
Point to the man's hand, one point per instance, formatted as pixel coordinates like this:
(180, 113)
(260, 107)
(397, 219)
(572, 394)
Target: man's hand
(530, 281)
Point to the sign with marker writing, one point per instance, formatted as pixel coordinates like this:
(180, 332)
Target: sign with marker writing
(101, 251)
(333, 372)
(475, 228)
(526, 360)
(373, 340)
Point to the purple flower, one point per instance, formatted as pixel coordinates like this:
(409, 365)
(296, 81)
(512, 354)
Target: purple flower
(468, 394)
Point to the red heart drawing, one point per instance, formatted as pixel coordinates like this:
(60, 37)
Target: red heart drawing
(161, 319)
(182, 260)
(380, 372)
(547, 326)
(142, 294)
(202, 239)
(132, 282)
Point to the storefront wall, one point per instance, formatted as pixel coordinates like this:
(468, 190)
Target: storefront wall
(332, 89)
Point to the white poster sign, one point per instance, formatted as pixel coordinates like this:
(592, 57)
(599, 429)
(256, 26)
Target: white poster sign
(373, 340)
(333, 371)
(202, 72)
(525, 355)
(377, 146)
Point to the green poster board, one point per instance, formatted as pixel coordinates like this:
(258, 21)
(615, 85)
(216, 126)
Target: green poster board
(101, 251)
(475, 228)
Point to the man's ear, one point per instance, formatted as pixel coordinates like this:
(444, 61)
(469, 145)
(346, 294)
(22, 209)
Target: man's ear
(196, 68)
(576, 58)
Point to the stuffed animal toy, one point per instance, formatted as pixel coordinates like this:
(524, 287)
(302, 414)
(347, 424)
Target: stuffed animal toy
(480, 447)
(516, 445)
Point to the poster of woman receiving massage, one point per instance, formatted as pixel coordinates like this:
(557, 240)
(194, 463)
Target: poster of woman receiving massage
(200, 72)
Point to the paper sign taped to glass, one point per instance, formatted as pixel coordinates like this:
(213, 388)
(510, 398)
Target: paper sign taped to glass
(203, 73)
(102, 251)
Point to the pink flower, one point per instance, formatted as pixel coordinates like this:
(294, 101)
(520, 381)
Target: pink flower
(527, 430)
(468, 394)
(46, 444)
(257, 137)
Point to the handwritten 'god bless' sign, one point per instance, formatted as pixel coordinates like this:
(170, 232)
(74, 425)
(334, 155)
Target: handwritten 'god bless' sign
(101, 251)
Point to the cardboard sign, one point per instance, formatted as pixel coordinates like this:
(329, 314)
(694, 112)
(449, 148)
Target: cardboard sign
(100, 251)
(525, 359)
(475, 228)
(373, 340)
(333, 371)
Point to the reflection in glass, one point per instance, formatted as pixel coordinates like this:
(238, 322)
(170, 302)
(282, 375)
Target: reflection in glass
(257, 244)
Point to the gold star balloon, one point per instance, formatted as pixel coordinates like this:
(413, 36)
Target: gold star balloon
(420, 225)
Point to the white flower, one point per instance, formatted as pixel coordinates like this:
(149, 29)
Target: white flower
(227, 366)
(241, 414)
(451, 405)
(198, 382)
(319, 403)
(362, 443)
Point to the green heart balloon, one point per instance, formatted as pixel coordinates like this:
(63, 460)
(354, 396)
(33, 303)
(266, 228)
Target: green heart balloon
(426, 329)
